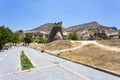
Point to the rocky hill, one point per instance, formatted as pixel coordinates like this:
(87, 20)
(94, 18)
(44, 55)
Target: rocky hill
(45, 27)
(89, 30)
(93, 30)
(88, 26)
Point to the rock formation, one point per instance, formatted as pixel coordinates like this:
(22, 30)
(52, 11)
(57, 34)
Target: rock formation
(56, 28)
(91, 30)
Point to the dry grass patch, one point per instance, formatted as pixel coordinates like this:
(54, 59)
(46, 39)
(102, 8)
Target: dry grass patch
(112, 43)
(96, 56)
(59, 45)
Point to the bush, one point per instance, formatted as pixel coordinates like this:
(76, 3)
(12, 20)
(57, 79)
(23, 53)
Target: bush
(42, 40)
(98, 39)
(73, 36)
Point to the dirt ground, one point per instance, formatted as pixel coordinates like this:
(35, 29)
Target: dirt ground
(91, 54)
(112, 43)
(56, 45)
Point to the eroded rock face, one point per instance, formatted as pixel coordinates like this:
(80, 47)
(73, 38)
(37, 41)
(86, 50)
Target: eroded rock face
(57, 27)
(93, 30)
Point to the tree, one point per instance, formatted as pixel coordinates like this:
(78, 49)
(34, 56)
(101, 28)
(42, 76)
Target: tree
(2, 37)
(70, 36)
(5, 36)
(15, 39)
(73, 36)
(9, 35)
(28, 38)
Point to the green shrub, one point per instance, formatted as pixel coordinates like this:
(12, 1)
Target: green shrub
(98, 39)
(42, 40)
(73, 36)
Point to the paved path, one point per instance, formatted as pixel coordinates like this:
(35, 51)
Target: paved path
(9, 61)
(47, 67)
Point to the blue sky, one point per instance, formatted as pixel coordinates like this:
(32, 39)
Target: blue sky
(28, 14)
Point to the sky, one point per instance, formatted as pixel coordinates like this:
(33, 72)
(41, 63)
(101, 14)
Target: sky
(29, 14)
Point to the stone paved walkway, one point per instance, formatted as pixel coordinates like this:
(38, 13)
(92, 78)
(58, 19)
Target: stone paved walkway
(47, 67)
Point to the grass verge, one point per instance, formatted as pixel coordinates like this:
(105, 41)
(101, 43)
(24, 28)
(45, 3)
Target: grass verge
(25, 62)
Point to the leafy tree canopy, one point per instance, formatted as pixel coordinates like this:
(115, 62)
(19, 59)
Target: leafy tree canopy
(6, 35)
(16, 38)
(28, 38)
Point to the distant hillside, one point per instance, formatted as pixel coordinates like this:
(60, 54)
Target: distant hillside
(91, 30)
(45, 27)
(88, 26)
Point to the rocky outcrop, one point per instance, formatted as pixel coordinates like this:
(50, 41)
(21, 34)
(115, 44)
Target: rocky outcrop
(57, 27)
(93, 30)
